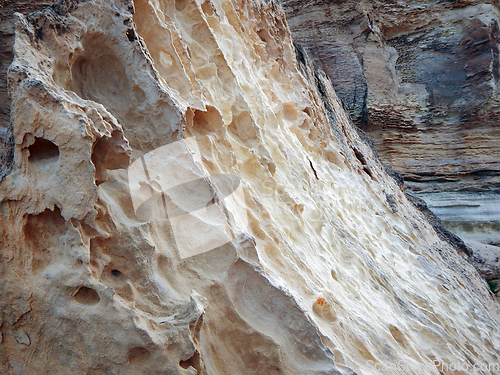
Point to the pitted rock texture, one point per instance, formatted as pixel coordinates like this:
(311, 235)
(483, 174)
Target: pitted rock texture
(332, 271)
(422, 79)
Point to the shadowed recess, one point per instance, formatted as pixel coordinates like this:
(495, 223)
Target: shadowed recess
(87, 296)
(43, 150)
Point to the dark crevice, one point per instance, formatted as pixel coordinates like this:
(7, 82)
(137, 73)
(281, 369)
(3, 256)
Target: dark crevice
(131, 35)
(443, 233)
(43, 150)
(368, 172)
(314, 170)
(194, 362)
(359, 156)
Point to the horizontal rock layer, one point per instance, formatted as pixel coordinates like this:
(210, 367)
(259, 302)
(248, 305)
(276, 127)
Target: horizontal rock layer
(287, 249)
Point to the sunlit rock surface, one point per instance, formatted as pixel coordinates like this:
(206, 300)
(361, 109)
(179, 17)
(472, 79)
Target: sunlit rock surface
(328, 268)
(422, 79)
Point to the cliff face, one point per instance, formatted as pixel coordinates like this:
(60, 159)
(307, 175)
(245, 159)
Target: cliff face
(187, 195)
(422, 79)
(7, 10)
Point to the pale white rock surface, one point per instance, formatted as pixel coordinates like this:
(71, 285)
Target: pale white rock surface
(474, 216)
(329, 269)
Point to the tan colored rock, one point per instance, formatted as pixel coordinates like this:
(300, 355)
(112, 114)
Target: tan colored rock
(329, 269)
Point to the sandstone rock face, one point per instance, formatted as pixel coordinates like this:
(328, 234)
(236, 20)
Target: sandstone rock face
(7, 10)
(422, 79)
(206, 111)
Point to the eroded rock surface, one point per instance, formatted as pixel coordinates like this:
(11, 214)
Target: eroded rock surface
(421, 78)
(7, 10)
(329, 268)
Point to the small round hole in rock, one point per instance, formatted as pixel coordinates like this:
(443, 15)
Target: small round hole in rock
(116, 273)
(87, 296)
(43, 150)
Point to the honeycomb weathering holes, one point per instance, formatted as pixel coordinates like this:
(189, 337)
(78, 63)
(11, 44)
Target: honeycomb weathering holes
(107, 154)
(98, 74)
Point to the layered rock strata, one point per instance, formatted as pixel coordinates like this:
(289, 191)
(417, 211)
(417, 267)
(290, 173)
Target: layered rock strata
(328, 268)
(422, 79)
